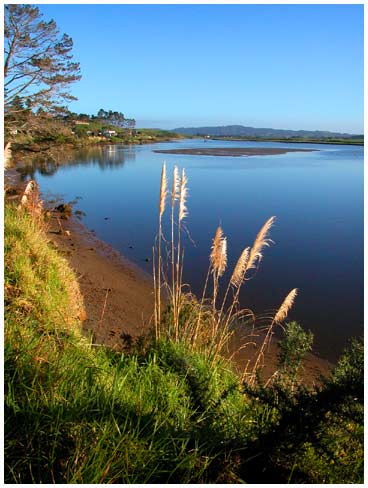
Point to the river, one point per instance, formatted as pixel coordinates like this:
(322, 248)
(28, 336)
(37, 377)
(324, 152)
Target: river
(317, 198)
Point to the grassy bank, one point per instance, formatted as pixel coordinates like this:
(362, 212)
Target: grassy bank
(80, 413)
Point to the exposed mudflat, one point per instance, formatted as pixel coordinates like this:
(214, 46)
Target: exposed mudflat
(232, 151)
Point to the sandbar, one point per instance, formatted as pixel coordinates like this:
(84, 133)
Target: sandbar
(232, 151)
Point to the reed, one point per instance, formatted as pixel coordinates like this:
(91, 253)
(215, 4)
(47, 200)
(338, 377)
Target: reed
(262, 240)
(237, 278)
(201, 324)
(285, 306)
(174, 197)
(162, 202)
(183, 212)
(236, 281)
(278, 318)
(218, 260)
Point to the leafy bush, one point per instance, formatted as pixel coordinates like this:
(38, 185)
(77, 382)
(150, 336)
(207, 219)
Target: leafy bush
(293, 347)
(312, 436)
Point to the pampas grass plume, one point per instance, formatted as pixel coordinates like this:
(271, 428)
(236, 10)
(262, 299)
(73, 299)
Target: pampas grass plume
(218, 255)
(183, 211)
(262, 240)
(175, 186)
(240, 268)
(163, 189)
(286, 306)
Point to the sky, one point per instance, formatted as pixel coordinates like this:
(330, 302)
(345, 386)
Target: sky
(168, 66)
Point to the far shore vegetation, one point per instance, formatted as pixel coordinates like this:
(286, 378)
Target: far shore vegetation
(353, 140)
(79, 130)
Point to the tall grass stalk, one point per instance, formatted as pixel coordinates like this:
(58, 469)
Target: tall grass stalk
(248, 259)
(174, 197)
(279, 317)
(202, 325)
(163, 192)
(218, 258)
(183, 212)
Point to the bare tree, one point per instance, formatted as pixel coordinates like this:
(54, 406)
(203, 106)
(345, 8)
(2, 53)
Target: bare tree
(38, 65)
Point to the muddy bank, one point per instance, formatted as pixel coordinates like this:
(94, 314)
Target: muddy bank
(232, 151)
(118, 295)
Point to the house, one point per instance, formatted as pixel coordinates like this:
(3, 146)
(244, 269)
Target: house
(109, 133)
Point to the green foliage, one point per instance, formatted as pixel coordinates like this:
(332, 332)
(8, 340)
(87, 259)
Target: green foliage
(314, 436)
(76, 413)
(293, 348)
(349, 372)
(38, 66)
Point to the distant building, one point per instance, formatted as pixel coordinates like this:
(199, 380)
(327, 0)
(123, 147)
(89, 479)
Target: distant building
(109, 133)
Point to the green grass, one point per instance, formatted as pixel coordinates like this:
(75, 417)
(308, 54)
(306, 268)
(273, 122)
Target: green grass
(80, 413)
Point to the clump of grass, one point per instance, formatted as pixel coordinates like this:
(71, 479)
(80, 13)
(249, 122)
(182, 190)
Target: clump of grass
(208, 326)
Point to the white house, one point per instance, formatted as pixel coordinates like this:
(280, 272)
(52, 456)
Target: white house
(109, 133)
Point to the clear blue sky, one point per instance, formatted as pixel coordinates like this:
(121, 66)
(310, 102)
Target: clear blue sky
(280, 66)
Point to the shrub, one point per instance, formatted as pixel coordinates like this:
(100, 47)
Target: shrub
(293, 347)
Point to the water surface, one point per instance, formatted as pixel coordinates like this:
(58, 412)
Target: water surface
(317, 198)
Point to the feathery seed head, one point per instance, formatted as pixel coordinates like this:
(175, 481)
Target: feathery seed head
(163, 189)
(223, 259)
(286, 306)
(238, 275)
(262, 240)
(218, 256)
(175, 186)
(183, 211)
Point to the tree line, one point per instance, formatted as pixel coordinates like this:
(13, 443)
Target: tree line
(38, 73)
(108, 117)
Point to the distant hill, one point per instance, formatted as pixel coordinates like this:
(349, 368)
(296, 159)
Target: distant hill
(241, 131)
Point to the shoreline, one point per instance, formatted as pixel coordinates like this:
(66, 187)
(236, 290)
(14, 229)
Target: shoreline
(118, 294)
(287, 141)
(39, 148)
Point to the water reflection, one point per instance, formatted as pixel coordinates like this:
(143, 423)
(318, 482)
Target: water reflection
(48, 162)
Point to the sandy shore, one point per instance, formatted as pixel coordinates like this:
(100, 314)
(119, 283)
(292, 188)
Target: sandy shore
(232, 151)
(118, 295)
